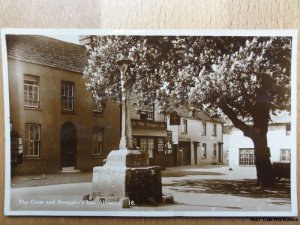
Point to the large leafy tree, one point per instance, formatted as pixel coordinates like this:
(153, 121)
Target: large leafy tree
(245, 78)
(142, 77)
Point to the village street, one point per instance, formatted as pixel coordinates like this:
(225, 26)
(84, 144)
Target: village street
(205, 188)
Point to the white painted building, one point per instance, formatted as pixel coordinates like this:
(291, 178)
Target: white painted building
(240, 149)
(199, 138)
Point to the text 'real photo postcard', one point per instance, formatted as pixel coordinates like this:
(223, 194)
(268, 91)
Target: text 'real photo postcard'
(148, 123)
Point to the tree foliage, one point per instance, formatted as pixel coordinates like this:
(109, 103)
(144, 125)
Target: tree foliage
(217, 74)
(240, 76)
(245, 78)
(143, 77)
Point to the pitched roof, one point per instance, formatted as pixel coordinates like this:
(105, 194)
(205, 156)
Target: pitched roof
(198, 115)
(280, 117)
(46, 51)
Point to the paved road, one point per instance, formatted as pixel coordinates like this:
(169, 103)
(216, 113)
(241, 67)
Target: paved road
(195, 189)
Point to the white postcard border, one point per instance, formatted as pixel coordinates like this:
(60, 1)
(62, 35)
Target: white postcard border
(128, 213)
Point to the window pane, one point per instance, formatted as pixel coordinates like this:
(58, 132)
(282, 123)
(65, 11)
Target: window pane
(98, 107)
(150, 147)
(204, 128)
(285, 155)
(98, 141)
(32, 140)
(214, 150)
(147, 114)
(247, 157)
(160, 144)
(31, 92)
(204, 150)
(143, 144)
(67, 96)
(215, 130)
(184, 126)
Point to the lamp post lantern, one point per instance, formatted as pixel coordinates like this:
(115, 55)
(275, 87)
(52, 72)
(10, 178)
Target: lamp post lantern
(126, 140)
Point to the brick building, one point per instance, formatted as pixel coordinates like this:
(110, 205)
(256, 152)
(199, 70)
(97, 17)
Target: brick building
(55, 124)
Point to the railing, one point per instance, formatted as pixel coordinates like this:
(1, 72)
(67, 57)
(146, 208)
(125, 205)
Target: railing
(148, 124)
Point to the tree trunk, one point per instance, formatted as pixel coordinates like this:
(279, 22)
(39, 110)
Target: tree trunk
(264, 168)
(258, 134)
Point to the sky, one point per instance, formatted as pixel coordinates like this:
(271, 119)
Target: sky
(68, 38)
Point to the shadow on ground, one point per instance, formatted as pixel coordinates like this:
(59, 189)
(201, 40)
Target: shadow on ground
(242, 188)
(187, 173)
(51, 179)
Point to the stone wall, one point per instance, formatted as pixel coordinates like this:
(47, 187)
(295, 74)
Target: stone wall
(140, 184)
(143, 185)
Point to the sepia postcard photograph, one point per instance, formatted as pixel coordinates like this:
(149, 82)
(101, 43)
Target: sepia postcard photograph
(150, 123)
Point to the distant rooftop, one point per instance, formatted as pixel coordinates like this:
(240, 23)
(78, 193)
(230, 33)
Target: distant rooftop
(198, 115)
(47, 51)
(280, 117)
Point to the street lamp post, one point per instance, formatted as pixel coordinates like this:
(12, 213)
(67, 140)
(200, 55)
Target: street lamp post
(125, 141)
(126, 173)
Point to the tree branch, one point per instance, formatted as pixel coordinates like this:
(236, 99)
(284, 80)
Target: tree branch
(235, 120)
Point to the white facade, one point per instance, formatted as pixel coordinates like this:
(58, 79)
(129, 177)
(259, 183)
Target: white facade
(205, 147)
(236, 144)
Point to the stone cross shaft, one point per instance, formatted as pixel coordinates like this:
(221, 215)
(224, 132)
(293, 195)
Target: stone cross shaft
(126, 140)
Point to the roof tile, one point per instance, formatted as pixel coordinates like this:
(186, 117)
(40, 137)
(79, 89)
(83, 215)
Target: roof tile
(47, 51)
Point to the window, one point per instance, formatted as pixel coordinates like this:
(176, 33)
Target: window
(135, 143)
(160, 144)
(143, 144)
(32, 140)
(214, 130)
(288, 129)
(150, 115)
(247, 157)
(31, 92)
(184, 126)
(203, 150)
(67, 96)
(168, 144)
(227, 155)
(98, 108)
(214, 155)
(203, 128)
(169, 136)
(150, 147)
(147, 114)
(165, 118)
(285, 155)
(147, 144)
(98, 141)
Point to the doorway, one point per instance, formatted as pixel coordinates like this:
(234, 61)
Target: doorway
(68, 145)
(220, 146)
(184, 154)
(196, 152)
